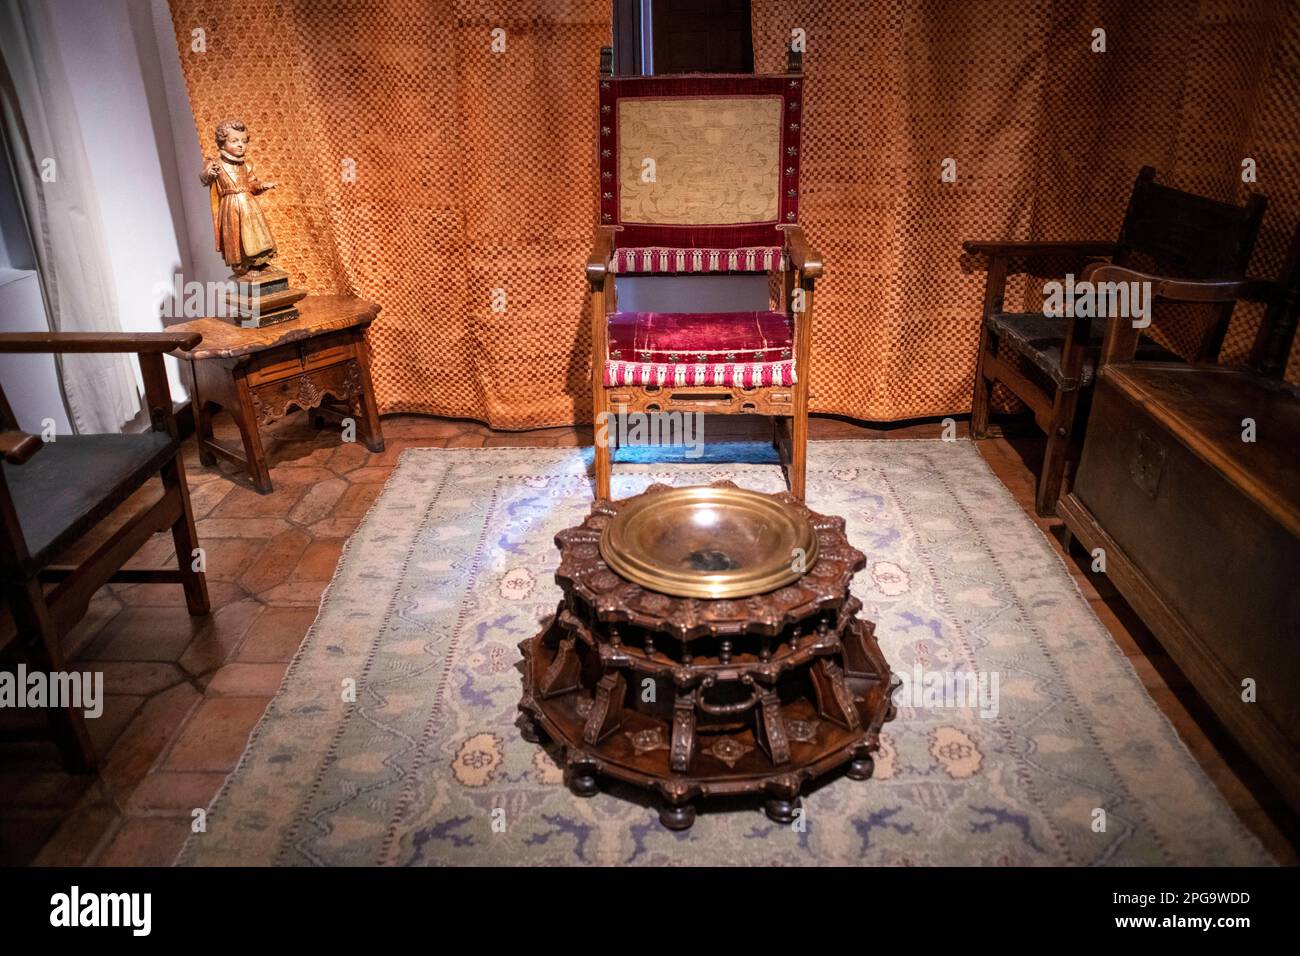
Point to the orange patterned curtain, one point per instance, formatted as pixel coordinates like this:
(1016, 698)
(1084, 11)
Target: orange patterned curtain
(470, 216)
(1047, 137)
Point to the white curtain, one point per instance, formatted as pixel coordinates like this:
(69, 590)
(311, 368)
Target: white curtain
(58, 197)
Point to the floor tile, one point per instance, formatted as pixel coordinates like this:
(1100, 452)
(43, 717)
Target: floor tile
(215, 737)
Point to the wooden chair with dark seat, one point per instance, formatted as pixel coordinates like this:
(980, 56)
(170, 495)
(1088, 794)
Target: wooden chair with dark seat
(1050, 362)
(699, 173)
(54, 493)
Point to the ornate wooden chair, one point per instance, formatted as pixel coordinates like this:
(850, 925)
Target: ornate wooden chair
(699, 173)
(53, 493)
(1050, 362)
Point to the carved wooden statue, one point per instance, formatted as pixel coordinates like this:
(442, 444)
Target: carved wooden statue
(243, 237)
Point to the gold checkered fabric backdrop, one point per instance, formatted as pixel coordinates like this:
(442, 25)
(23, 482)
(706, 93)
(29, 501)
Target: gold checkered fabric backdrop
(475, 169)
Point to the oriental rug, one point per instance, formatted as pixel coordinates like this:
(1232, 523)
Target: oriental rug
(392, 739)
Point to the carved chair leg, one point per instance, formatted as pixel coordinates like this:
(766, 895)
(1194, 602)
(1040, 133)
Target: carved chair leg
(600, 439)
(799, 443)
(599, 394)
(40, 642)
(994, 290)
(1059, 437)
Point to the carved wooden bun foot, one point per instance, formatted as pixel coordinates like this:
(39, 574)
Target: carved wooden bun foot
(677, 817)
(697, 698)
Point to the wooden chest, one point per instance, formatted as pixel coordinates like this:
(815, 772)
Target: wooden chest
(1201, 533)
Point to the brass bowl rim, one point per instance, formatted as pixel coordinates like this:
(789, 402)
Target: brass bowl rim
(765, 577)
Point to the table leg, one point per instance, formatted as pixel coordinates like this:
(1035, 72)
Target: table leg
(246, 419)
(202, 416)
(364, 406)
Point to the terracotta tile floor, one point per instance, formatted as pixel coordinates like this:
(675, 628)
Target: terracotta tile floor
(183, 694)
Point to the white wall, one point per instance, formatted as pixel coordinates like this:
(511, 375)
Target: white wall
(125, 76)
(118, 72)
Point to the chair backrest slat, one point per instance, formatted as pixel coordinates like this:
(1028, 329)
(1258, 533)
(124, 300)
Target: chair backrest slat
(1276, 336)
(1174, 233)
(1187, 236)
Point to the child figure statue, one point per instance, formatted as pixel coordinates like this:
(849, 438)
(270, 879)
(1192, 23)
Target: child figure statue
(243, 237)
(262, 295)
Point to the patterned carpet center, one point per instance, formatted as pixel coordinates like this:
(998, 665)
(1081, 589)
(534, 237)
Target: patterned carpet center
(1023, 735)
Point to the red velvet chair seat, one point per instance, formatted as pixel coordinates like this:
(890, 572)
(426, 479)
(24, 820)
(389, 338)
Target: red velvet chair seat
(742, 349)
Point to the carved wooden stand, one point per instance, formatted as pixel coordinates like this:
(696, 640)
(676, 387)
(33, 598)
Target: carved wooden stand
(701, 698)
(316, 361)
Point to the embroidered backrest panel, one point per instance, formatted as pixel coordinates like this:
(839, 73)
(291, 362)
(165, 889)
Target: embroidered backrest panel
(699, 161)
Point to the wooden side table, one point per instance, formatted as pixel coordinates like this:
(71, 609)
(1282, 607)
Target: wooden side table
(259, 375)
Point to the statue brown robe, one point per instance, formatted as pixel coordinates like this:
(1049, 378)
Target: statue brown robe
(243, 237)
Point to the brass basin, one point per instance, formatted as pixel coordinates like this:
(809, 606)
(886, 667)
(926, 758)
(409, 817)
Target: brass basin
(707, 542)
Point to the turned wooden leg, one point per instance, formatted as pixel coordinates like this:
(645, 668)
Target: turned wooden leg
(799, 420)
(994, 288)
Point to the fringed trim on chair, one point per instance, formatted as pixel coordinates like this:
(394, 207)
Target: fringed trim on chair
(753, 259)
(721, 374)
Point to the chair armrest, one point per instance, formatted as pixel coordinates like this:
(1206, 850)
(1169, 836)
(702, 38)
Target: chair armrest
(598, 262)
(1084, 247)
(16, 447)
(1178, 290)
(142, 343)
(1121, 339)
(802, 255)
